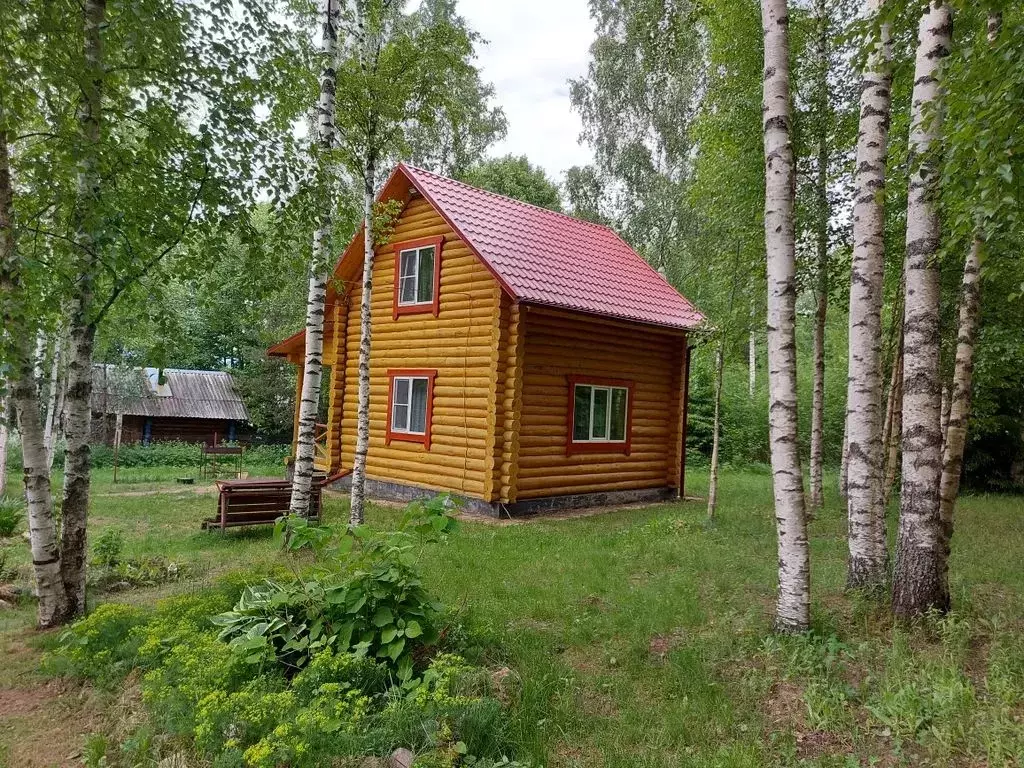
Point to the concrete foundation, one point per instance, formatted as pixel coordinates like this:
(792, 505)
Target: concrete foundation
(391, 491)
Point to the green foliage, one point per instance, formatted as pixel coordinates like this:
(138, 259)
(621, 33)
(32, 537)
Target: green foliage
(515, 177)
(102, 647)
(12, 515)
(367, 598)
(930, 698)
(349, 701)
(108, 547)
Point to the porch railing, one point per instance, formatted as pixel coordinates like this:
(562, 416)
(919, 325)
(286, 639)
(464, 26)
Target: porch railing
(321, 451)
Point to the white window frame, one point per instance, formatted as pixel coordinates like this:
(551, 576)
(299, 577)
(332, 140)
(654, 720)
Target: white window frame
(408, 405)
(608, 414)
(416, 276)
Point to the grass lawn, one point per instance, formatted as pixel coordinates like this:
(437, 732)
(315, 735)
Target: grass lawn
(641, 637)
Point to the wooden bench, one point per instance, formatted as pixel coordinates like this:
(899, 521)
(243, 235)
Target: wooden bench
(258, 502)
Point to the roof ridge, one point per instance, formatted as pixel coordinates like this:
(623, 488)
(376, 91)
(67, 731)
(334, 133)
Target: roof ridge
(515, 200)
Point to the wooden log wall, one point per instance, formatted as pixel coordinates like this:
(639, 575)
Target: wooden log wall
(460, 343)
(560, 343)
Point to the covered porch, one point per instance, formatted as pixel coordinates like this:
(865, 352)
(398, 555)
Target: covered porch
(327, 438)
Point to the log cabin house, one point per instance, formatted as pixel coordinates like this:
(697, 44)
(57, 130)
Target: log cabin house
(521, 359)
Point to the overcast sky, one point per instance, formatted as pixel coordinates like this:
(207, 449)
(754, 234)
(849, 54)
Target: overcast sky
(533, 48)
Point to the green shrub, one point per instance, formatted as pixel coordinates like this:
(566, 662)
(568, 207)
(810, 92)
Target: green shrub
(102, 647)
(368, 597)
(12, 515)
(108, 547)
(136, 572)
(179, 454)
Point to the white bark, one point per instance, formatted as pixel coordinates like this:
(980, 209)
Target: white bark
(955, 429)
(357, 514)
(53, 402)
(42, 526)
(867, 566)
(793, 609)
(716, 430)
(752, 354)
(370, 50)
(893, 423)
(309, 397)
(52, 605)
(4, 435)
(817, 499)
(82, 331)
(918, 583)
(960, 401)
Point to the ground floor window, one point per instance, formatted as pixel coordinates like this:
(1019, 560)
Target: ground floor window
(410, 403)
(600, 414)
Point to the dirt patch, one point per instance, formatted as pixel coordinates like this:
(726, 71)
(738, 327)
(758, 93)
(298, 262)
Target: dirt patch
(786, 712)
(17, 702)
(661, 645)
(46, 726)
(599, 704)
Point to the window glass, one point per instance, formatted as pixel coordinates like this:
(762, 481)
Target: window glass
(618, 414)
(599, 429)
(400, 418)
(407, 278)
(402, 391)
(425, 281)
(409, 405)
(418, 407)
(581, 413)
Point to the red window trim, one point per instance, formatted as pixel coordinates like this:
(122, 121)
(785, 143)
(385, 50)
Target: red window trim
(406, 437)
(591, 446)
(434, 307)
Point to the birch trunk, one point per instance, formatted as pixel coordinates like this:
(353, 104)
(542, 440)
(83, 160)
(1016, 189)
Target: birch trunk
(793, 609)
(82, 332)
(357, 514)
(752, 355)
(955, 432)
(52, 400)
(867, 566)
(4, 435)
(309, 397)
(52, 609)
(52, 605)
(893, 424)
(716, 431)
(918, 583)
(844, 465)
(960, 402)
(821, 260)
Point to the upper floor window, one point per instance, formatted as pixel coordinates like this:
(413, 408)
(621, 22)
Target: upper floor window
(600, 415)
(417, 276)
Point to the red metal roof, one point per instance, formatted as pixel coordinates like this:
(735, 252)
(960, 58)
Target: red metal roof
(545, 257)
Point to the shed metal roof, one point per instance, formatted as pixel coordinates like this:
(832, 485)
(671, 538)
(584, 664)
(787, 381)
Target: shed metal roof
(182, 394)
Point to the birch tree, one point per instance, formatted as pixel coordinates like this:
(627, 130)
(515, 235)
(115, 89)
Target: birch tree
(918, 583)
(87, 228)
(868, 556)
(401, 78)
(793, 609)
(320, 263)
(822, 213)
(4, 433)
(116, 199)
(969, 315)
